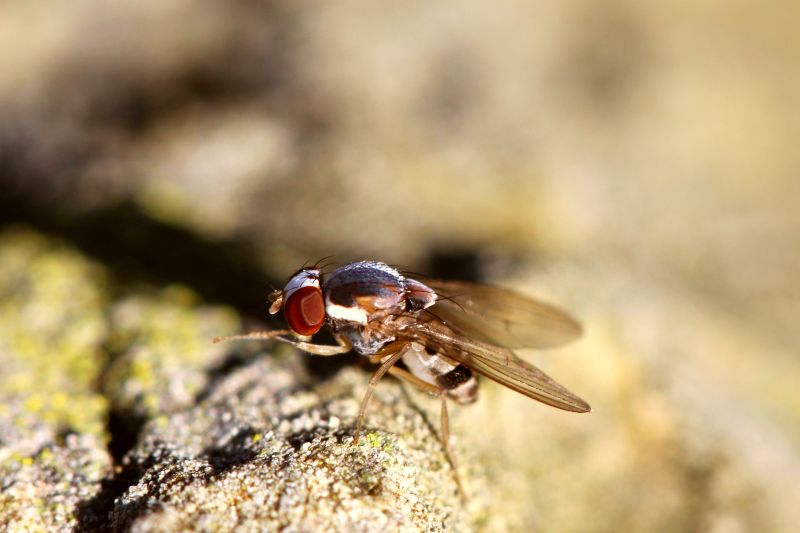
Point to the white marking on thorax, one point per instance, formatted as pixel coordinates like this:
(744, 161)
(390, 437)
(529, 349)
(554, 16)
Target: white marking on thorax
(353, 314)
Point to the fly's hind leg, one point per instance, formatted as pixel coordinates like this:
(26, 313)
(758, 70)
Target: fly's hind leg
(408, 377)
(279, 335)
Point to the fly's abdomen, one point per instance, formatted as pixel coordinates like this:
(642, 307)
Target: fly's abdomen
(455, 379)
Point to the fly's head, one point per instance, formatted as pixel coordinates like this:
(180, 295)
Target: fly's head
(302, 302)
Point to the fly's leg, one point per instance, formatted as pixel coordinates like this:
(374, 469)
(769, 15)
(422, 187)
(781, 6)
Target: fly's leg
(408, 377)
(388, 356)
(278, 335)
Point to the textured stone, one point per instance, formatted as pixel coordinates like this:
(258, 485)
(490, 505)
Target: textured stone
(162, 353)
(52, 419)
(268, 449)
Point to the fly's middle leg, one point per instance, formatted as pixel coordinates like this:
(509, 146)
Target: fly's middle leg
(410, 378)
(388, 356)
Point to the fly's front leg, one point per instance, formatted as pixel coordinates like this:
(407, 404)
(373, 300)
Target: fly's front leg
(278, 335)
(387, 350)
(321, 349)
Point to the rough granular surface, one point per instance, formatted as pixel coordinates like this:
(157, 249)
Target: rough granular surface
(52, 441)
(43, 492)
(264, 452)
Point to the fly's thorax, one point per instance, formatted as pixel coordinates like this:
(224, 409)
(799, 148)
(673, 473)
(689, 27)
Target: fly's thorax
(362, 298)
(364, 291)
(369, 290)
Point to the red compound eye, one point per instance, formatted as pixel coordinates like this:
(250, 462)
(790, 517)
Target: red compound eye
(305, 310)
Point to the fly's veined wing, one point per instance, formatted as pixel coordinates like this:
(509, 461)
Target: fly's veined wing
(494, 362)
(501, 317)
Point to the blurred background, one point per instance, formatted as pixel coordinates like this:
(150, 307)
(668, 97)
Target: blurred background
(635, 163)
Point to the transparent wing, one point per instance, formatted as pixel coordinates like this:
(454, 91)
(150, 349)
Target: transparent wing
(496, 363)
(501, 317)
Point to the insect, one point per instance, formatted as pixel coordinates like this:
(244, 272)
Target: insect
(446, 333)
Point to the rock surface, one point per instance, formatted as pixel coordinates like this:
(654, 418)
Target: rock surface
(52, 420)
(265, 451)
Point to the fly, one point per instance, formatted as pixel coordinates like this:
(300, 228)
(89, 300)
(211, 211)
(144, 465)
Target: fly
(446, 333)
